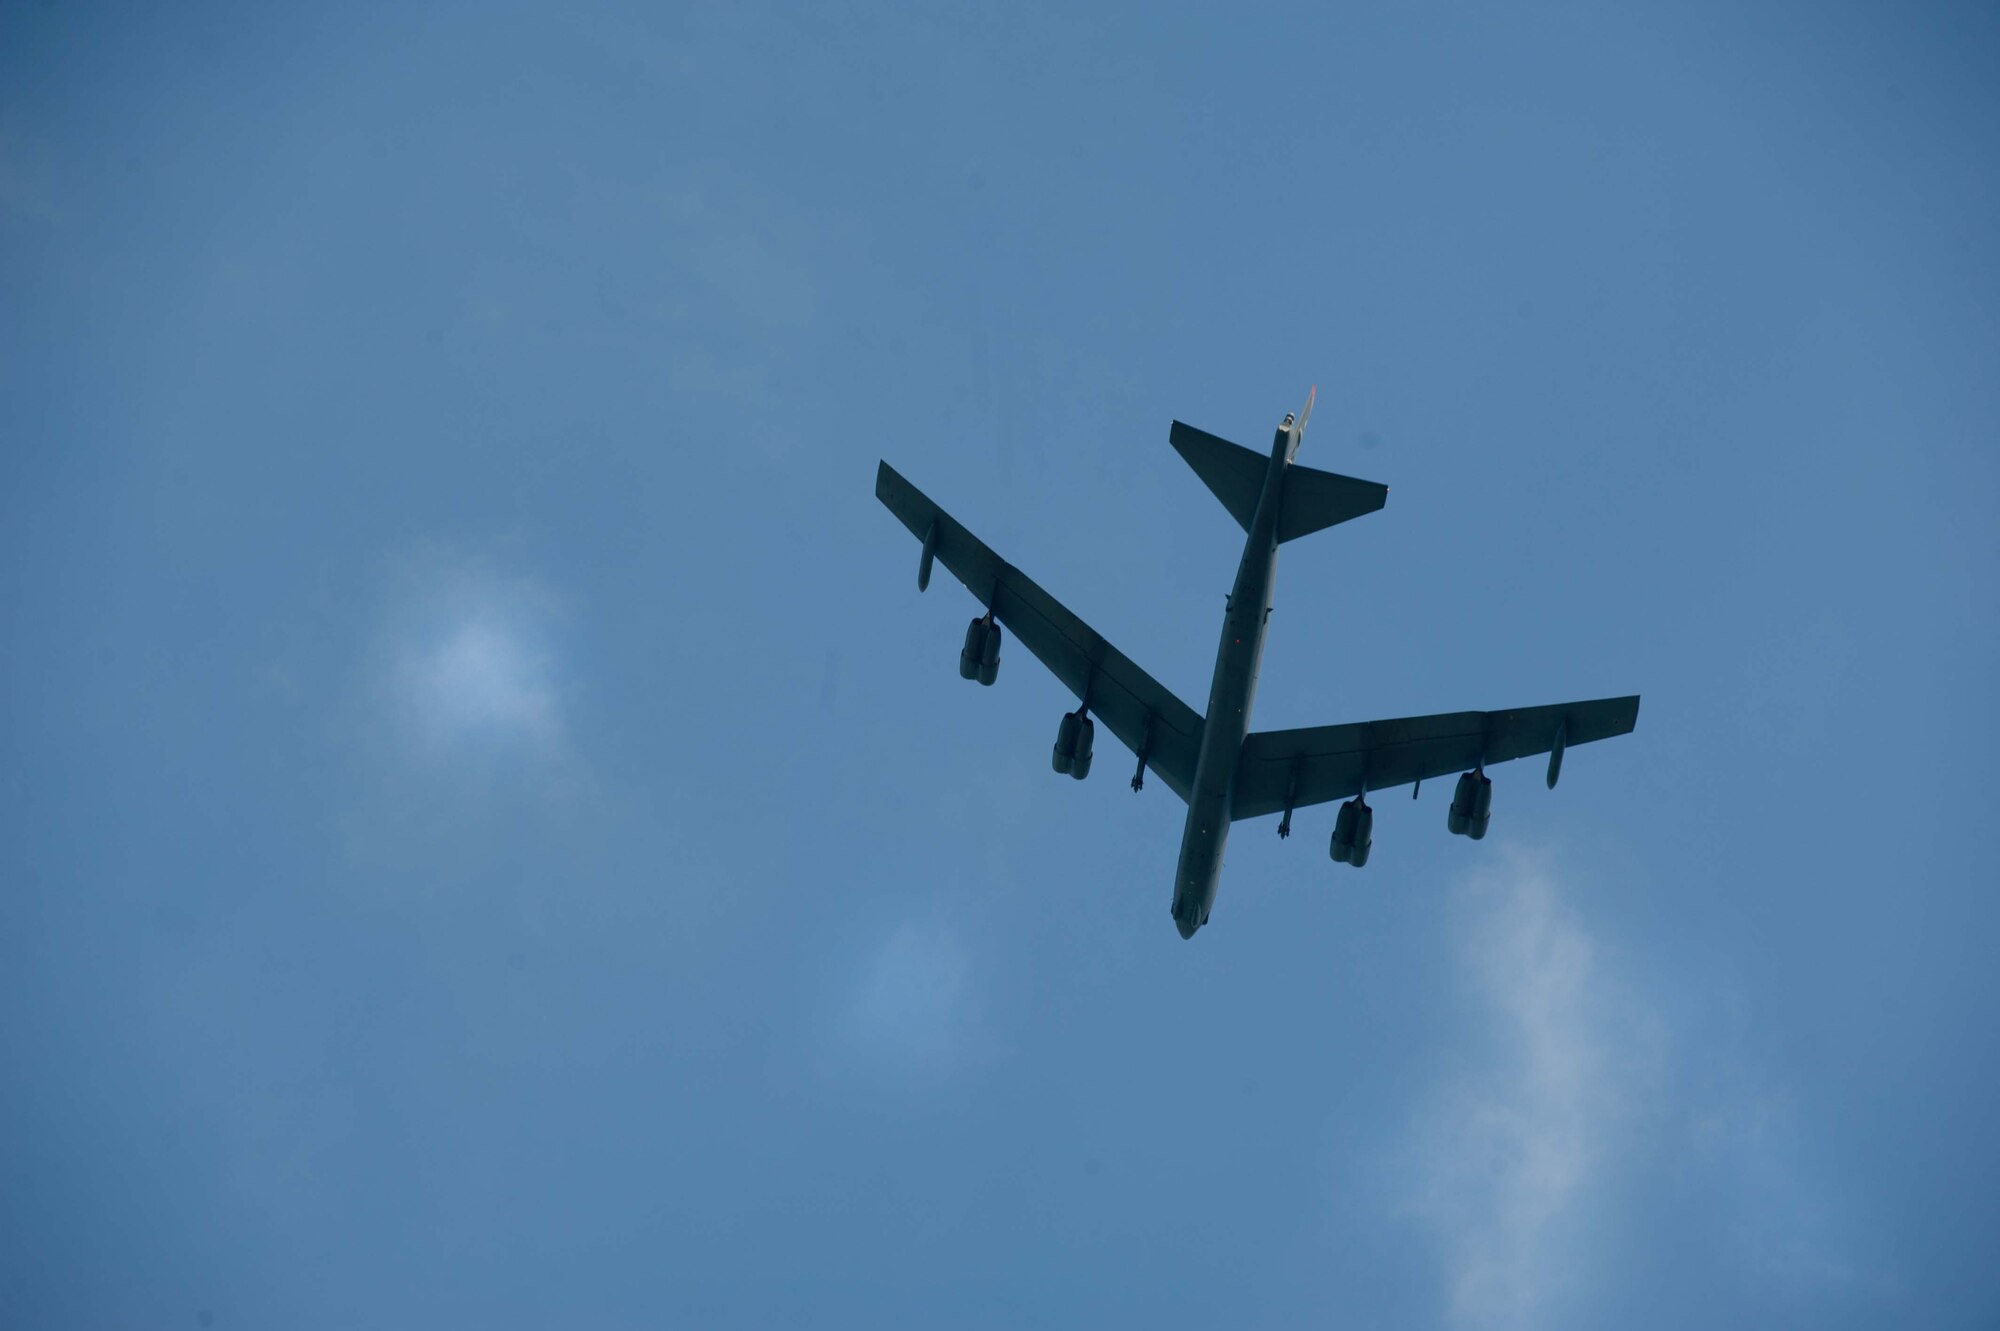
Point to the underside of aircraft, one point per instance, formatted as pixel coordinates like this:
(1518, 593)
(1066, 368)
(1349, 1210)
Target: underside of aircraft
(1224, 771)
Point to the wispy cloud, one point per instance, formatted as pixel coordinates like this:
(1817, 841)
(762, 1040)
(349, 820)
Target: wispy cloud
(1576, 1098)
(481, 676)
(1504, 1155)
(458, 736)
(473, 662)
(912, 999)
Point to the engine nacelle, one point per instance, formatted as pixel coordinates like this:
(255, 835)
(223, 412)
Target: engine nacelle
(1471, 806)
(980, 657)
(968, 655)
(989, 656)
(1086, 735)
(1353, 833)
(1065, 750)
(1074, 738)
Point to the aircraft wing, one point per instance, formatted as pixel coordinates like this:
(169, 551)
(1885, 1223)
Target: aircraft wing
(1130, 702)
(1321, 763)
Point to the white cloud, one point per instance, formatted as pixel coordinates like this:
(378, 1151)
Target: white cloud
(912, 1002)
(457, 730)
(1507, 1154)
(482, 677)
(473, 662)
(1574, 1093)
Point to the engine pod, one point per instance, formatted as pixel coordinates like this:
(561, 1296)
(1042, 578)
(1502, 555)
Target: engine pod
(1345, 824)
(1364, 834)
(1064, 754)
(989, 655)
(975, 646)
(1471, 798)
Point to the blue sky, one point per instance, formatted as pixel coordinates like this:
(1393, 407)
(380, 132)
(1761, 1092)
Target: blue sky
(494, 834)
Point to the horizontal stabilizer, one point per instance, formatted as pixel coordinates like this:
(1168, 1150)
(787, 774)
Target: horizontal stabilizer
(1233, 472)
(1315, 500)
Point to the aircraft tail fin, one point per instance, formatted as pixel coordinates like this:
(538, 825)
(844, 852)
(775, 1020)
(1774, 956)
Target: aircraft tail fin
(1316, 500)
(1231, 471)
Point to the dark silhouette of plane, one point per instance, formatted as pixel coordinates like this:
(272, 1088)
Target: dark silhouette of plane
(1216, 763)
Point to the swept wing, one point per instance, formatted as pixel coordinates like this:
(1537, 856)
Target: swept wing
(1320, 763)
(1133, 705)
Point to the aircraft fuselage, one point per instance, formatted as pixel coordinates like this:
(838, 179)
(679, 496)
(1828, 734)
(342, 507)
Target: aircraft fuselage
(1230, 695)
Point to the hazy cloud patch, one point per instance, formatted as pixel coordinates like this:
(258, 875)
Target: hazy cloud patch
(911, 1005)
(457, 736)
(1578, 1107)
(481, 676)
(472, 662)
(1505, 1154)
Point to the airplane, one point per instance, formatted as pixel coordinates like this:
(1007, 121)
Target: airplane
(1216, 763)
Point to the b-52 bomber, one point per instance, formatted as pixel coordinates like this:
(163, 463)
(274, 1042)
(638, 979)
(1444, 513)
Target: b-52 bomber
(1223, 770)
